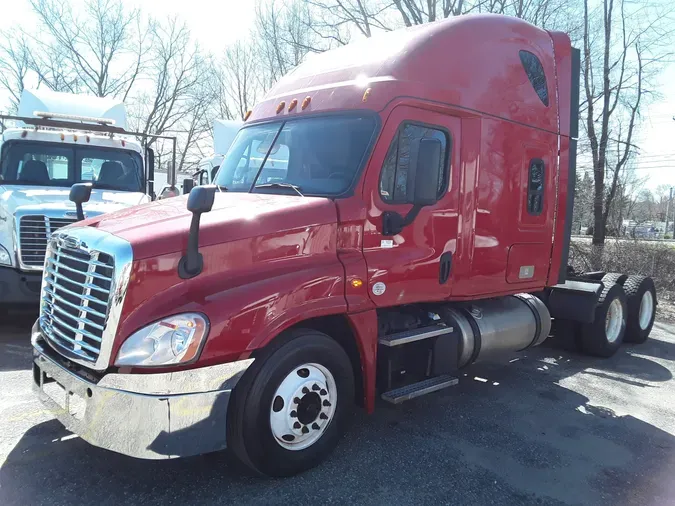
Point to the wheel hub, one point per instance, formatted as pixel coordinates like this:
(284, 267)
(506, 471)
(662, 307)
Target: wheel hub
(614, 320)
(646, 310)
(303, 406)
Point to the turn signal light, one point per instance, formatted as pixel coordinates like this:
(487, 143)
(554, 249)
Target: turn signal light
(357, 283)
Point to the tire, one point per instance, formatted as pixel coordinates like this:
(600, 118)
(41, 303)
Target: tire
(254, 405)
(598, 338)
(639, 290)
(614, 277)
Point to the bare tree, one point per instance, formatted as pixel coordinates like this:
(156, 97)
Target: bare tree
(99, 51)
(14, 66)
(621, 52)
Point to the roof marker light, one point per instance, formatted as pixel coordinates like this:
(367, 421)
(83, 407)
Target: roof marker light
(292, 105)
(366, 94)
(123, 143)
(88, 138)
(63, 137)
(306, 102)
(24, 133)
(281, 106)
(75, 137)
(248, 114)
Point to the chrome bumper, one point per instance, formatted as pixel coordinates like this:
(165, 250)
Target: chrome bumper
(149, 416)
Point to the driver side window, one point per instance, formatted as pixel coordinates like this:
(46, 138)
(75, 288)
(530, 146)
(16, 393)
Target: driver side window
(396, 177)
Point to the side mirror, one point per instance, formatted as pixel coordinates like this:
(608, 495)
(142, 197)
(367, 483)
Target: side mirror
(200, 201)
(188, 185)
(150, 166)
(427, 175)
(80, 193)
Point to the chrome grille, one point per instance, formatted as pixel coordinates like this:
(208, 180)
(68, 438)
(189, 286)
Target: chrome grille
(34, 233)
(76, 289)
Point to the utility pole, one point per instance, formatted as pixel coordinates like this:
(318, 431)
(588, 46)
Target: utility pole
(668, 210)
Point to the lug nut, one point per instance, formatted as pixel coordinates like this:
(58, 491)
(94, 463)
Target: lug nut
(315, 426)
(326, 403)
(294, 414)
(323, 416)
(296, 400)
(297, 425)
(305, 390)
(316, 387)
(323, 392)
(305, 430)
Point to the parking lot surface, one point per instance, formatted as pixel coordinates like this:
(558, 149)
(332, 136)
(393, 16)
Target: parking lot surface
(544, 427)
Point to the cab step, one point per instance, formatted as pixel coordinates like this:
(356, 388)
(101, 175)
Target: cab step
(399, 395)
(409, 336)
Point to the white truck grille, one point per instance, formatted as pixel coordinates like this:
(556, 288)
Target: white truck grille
(34, 233)
(76, 291)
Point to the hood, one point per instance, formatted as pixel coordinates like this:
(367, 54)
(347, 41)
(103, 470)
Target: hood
(13, 197)
(163, 226)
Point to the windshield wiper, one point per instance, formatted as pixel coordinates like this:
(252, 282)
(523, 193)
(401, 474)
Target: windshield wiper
(222, 188)
(280, 185)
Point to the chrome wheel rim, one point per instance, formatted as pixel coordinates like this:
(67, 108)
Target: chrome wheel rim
(614, 320)
(646, 310)
(303, 406)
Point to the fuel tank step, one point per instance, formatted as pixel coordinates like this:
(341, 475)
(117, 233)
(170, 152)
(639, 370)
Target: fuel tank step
(409, 336)
(399, 395)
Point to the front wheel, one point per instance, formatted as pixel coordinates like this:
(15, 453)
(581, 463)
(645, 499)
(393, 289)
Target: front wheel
(289, 410)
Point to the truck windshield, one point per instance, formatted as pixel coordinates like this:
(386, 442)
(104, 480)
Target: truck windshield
(48, 164)
(317, 156)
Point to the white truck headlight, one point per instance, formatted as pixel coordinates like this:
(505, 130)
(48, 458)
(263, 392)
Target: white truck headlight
(5, 258)
(172, 340)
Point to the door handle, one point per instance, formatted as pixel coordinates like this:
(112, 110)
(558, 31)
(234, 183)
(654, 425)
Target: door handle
(445, 267)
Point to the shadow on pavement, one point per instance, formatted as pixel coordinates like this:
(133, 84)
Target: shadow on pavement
(509, 433)
(15, 348)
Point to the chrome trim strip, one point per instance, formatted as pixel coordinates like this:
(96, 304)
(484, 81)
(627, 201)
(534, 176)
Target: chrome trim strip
(94, 240)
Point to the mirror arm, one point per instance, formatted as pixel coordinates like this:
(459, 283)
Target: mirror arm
(191, 264)
(393, 223)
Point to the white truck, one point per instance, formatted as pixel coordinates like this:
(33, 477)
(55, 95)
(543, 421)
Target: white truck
(55, 141)
(224, 132)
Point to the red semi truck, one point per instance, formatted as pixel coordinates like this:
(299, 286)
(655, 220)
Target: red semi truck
(408, 213)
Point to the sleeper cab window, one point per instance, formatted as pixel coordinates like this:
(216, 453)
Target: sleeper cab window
(535, 73)
(535, 187)
(396, 178)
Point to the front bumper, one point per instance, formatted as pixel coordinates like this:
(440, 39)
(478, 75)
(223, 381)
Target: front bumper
(149, 416)
(17, 287)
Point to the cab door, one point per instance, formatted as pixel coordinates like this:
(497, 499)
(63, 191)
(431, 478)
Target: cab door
(415, 263)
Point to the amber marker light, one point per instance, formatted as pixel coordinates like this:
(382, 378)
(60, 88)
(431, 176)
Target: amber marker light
(366, 94)
(292, 105)
(248, 114)
(281, 106)
(357, 283)
(306, 102)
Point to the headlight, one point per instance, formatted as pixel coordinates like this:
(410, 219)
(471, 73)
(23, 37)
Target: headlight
(5, 258)
(173, 340)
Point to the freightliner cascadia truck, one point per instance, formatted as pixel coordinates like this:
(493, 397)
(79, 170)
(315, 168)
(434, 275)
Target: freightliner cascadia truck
(420, 223)
(57, 140)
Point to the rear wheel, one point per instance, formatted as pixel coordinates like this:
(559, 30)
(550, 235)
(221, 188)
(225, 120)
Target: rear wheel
(614, 277)
(289, 410)
(641, 301)
(604, 336)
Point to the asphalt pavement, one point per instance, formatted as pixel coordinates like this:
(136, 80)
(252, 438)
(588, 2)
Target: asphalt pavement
(544, 427)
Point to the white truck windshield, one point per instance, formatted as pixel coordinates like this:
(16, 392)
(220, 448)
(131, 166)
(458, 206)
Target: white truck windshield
(48, 164)
(317, 156)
